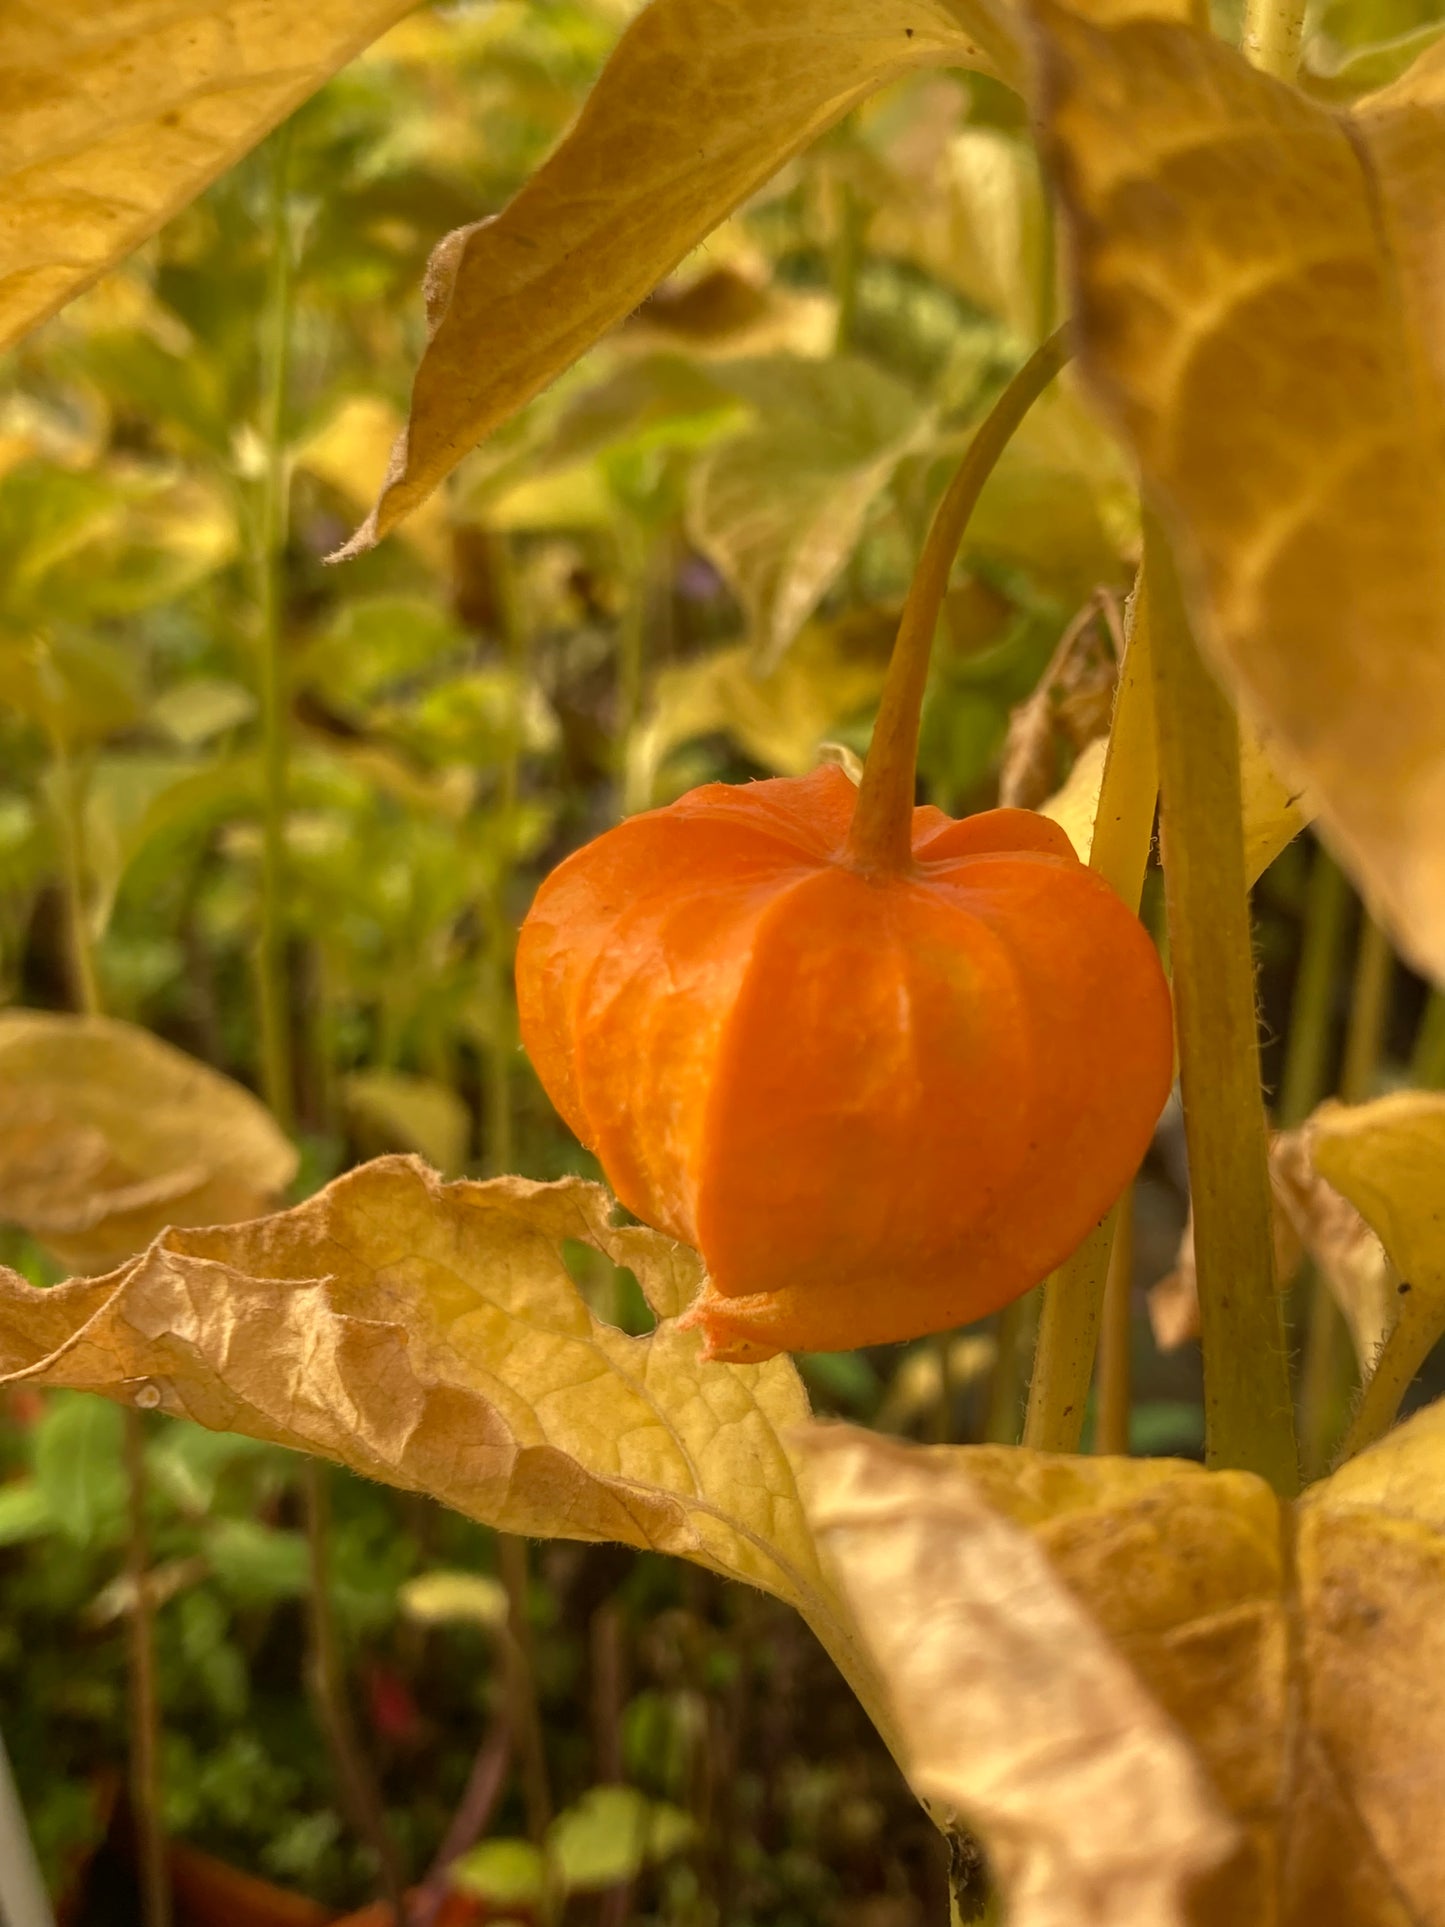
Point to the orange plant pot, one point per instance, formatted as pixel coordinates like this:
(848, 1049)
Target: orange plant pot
(878, 1104)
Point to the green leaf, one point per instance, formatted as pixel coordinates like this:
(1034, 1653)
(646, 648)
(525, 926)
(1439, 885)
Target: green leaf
(505, 1873)
(78, 1466)
(611, 1834)
(780, 508)
(24, 1512)
(257, 1564)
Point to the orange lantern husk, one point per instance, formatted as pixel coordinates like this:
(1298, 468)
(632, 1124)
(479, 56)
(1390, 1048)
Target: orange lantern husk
(878, 1103)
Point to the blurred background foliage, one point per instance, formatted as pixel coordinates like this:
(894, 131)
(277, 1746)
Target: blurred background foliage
(681, 564)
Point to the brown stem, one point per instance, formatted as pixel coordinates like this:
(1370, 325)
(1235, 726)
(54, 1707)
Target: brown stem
(880, 841)
(360, 1794)
(145, 1728)
(522, 1686)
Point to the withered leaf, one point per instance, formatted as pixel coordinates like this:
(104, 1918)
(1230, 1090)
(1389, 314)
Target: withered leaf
(429, 1335)
(112, 119)
(1299, 1651)
(1258, 296)
(107, 1135)
(1017, 1712)
(700, 103)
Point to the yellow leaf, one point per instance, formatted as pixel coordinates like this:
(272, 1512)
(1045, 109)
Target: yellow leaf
(346, 451)
(1016, 1711)
(112, 120)
(107, 1135)
(444, 1598)
(1348, 1254)
(410, 1114)
(700, 103)
(430, 1335)
(1075, 804)
(1388, 1158)
(780, 719)
(1257, 292)
(1184, 1653)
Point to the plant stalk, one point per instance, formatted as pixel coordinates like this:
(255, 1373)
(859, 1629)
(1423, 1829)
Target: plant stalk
(147, 1791)
(1115, 1386)
(526, 1715)
(146, 1788)
(1326, 905)
(1273, 30)
(360, 1795)
(270, 543)
(881, 838)
(1248, 1411)
(85, 988)
(1123, 830)
(1427, 1060)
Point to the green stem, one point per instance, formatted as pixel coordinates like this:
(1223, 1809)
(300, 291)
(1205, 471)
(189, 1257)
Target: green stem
(1272, 33)
(1119, 852)
(1327, 1376)
(1326, 906)
(70, 814)
(270, 543)
(1013, 1329)
(1369, 1011)
(1115, 1387)
(1249, 1420)
(881, 839)
(1411, 1340)
(1427, 1061)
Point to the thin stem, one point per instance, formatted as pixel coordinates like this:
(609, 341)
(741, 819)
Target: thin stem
(1123, 829)
(1115, 1388)
(146, 1789)
(1427, 1061)
(880, 840)
(1327, 1375)
(71, 822)
(270, 543)
(1272, 33)
(360, 1794)
(1326, 906)
(1412, 1338)
(1249, 1419)
(1005, 1392)
(526, 1714)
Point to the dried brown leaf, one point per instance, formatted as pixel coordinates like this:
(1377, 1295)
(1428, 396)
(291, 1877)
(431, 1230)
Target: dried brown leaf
(107, 1135)
(429, 1335)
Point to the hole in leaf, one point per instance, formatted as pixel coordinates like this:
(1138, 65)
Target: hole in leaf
(611, 1291)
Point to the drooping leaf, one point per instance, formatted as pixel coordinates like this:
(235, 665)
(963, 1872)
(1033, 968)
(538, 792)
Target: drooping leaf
(112, 122)
(107, 1135)
(430, 1336)
(1016, 1712)
(1187, 1654)
(700, 103)
(1257, 291)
